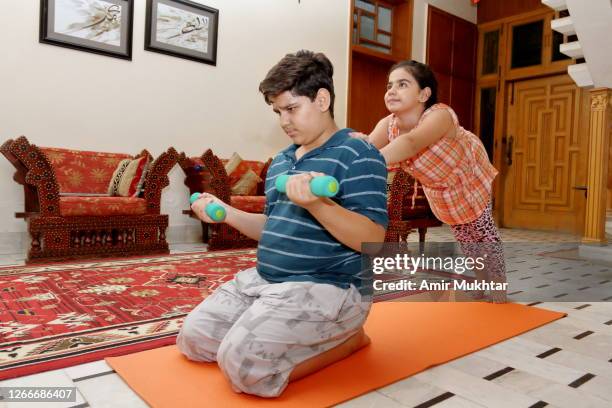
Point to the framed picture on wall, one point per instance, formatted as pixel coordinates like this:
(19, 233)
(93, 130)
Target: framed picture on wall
(182, 28)
(99, 26)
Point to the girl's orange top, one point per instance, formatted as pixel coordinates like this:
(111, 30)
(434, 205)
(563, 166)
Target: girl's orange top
(455, 172)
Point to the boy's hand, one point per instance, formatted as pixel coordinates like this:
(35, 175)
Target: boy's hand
(298, 189)
(359, 135)
(199, 206)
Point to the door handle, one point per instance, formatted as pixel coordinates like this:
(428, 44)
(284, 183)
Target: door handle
(509, 150)
(583, 188)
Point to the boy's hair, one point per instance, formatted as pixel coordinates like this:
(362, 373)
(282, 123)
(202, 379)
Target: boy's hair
(424, 76)
(302, 73)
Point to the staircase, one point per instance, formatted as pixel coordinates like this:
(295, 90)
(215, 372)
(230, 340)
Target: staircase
(591, 22)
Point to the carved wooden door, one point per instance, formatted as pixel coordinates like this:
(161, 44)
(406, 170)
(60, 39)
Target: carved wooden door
(545, 156)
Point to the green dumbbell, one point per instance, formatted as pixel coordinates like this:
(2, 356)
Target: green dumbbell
(215, 211)
(321, 186)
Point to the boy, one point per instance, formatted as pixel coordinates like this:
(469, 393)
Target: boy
(304, 304)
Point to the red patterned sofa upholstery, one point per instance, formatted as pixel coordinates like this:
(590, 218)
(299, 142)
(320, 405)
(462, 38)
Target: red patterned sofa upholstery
(69, 212)
(207, 174)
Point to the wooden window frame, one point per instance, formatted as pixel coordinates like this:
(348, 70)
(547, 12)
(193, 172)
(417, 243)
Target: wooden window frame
(361, 41)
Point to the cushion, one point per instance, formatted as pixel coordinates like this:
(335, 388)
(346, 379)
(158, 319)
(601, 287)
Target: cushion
(243, 167)
(247, 185)
(80, 171)
(134, 170)
(116, 178)
(254, 165)
(243, 175)
(233, 163)
(251, 204)
(137, 186)
(102, 206)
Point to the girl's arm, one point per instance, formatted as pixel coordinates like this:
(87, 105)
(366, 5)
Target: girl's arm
(408, 145)
(379, 137)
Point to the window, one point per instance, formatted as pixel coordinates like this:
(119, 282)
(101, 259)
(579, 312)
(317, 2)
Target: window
(527, 43)
(490, 52)
(372, 25)
(487, 119)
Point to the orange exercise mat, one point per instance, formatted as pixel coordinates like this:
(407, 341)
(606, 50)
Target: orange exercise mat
(407, 337)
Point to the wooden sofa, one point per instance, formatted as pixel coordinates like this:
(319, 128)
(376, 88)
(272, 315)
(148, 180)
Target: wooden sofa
(207, 173)
(403, 217)
(68, 212)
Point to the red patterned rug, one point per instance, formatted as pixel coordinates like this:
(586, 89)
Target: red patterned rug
(71, 313)
(66, 314)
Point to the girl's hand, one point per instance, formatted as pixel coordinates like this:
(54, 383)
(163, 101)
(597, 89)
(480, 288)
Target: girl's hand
(199, 206)
(298, 189)
(359, 135)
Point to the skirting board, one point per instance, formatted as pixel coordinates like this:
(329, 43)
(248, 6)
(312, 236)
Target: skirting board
(17, 243)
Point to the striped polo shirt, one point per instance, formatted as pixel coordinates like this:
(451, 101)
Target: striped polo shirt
(294, 246)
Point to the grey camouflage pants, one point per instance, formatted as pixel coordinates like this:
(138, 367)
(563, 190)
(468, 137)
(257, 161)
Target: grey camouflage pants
(259, 331)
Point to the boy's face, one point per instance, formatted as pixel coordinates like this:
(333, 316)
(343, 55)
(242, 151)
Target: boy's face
(302, 120)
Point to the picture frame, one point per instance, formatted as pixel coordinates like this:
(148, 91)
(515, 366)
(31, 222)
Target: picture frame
(182, 28)
(98, 26)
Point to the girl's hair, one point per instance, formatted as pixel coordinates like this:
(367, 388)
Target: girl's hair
(424, 76)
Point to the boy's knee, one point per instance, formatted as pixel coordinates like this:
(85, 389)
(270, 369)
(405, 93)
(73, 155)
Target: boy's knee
(195, 344)
(248, 372)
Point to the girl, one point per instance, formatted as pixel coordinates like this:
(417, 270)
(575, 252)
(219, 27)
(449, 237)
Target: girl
(425, 138)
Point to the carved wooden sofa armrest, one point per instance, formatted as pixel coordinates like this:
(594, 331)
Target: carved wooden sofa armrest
(219, 182)
(397, 229)
(35, 172)
(157, 179)
(209, 171)
(191, 170)
(396, 194)
(404, 217)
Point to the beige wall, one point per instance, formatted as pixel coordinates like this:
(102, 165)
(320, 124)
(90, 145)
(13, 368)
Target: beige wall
(461, 8)
(62, 97)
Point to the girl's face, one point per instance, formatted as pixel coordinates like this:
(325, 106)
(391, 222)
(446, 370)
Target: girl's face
(403, 92)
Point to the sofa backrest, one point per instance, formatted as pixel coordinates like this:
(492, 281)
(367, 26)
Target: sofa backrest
(80, 171)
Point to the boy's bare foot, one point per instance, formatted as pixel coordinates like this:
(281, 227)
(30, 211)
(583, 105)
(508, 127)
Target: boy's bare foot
(360, 340)
(343, 350)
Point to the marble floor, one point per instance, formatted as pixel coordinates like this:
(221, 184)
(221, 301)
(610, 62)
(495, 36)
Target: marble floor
(567, 363)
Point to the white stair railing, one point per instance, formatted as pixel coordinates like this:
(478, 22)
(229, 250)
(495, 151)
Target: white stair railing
(564, 25)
